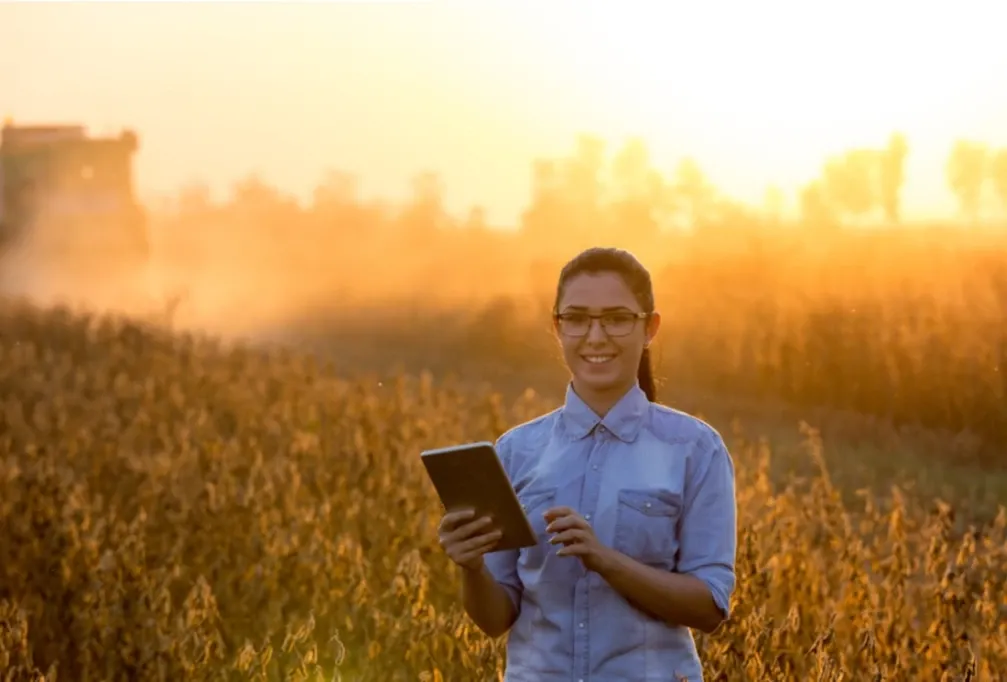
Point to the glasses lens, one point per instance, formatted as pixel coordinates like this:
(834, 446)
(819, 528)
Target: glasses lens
(619, 324)
(574, 324)
(614, 324)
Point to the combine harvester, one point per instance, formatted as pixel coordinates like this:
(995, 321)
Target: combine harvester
(70, 225)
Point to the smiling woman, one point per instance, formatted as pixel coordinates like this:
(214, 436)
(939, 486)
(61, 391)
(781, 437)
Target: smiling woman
(605, 359)
(638, 497)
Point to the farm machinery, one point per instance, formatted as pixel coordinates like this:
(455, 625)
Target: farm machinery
(67, 203)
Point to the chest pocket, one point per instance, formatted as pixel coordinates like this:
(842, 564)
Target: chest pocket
(646, 525)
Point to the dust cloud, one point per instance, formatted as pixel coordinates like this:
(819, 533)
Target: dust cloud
(249, 276)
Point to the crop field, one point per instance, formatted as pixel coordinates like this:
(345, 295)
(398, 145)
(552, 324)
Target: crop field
(175, 508)
(906, 326)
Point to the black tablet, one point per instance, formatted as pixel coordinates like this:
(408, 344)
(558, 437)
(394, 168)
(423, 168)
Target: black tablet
(470, 476)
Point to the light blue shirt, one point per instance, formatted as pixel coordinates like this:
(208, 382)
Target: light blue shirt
(655, 484)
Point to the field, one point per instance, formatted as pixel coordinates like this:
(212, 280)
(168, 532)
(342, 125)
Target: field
(905, 326)
(174, 508)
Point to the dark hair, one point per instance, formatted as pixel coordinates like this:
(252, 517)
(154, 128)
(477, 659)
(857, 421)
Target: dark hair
(637, 278)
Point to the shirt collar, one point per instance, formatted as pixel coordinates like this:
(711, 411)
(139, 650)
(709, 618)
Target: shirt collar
(624, 419)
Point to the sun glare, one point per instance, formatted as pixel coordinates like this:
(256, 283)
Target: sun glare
(759, 94)
(777, 84)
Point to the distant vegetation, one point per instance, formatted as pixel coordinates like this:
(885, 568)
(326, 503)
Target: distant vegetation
(844, 306)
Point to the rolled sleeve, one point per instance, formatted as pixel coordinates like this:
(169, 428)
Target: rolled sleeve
(708, 530)
(503, 565)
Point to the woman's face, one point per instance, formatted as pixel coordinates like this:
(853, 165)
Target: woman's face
(602, 363)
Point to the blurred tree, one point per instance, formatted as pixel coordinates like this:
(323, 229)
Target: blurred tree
(892, 175)
(966, 173)
(998, 176)
(584, 186)
(252, 192)
(848, 182)
(425, 215)
(692, 189)
(631, 168)
(584, 169)
(816, 211)
(773, 203)
(476, 220)
(544, 215)
(337, 190)
(640, 197)
(263, 204)
(568, 197)
(428, 190)
(194, 199)
(336, 204)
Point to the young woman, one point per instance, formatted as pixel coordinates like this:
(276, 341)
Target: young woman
(633, 502)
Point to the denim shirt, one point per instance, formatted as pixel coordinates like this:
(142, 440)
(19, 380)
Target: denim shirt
(655, 484)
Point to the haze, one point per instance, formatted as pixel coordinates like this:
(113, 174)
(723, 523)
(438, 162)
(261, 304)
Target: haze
(759, 94)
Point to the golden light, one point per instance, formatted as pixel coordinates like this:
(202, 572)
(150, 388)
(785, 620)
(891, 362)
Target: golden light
(773, 85)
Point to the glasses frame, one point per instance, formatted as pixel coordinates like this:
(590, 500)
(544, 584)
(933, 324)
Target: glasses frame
(558, 319)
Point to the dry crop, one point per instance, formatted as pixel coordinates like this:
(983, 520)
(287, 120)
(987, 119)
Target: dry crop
(904, 325)
(174, 509)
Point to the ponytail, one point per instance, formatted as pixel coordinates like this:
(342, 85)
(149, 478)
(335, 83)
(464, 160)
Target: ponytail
(645, 376)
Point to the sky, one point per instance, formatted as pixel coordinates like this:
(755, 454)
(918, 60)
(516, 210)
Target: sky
(758, 93)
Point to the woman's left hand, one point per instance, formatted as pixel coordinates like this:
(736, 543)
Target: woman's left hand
(577, 537)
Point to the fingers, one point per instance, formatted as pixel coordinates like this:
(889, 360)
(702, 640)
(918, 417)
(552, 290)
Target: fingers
(465, 539)
(480, 543)
(574, 549)
(467, 531)
(571, 536)
(554, 513)
(452, 520)
(566, 523)
(468, 534)
(569, 529)
(455, 526)
(463, 553)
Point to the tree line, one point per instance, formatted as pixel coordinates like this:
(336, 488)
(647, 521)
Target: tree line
(588, 191)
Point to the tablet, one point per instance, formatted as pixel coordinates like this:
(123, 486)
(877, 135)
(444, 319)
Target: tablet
(470, 476)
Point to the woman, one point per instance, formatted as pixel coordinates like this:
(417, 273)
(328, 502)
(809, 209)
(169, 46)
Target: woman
(633, 503)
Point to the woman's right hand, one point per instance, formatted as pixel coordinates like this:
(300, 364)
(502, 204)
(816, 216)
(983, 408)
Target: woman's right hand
(465, 540)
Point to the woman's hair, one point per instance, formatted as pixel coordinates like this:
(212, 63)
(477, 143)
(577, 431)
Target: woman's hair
(636, 277)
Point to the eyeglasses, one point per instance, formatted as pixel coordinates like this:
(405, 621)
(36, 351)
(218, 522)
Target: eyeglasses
(619, 323)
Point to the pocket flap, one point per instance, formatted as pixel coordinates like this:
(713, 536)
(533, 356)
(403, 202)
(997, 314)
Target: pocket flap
(532, 498)
(652, 501)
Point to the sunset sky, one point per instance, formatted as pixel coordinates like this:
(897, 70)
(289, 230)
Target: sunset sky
(759, 93)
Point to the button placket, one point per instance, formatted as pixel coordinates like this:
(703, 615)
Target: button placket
(588, 502)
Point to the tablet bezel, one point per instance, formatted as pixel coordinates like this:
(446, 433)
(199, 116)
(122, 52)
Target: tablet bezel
(443, 466)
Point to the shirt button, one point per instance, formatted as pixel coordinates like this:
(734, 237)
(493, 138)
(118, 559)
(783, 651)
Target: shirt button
(595, 467)
(587, 517)
(646, 505)
(582, 625)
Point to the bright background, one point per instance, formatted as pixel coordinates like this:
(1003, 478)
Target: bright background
(759, 93)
